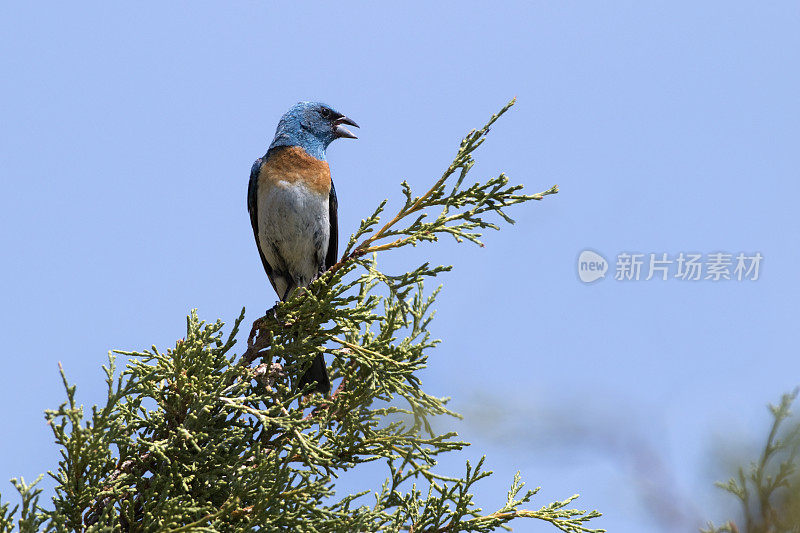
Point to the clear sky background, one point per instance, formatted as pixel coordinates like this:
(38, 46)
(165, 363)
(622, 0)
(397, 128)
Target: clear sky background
(126, 139)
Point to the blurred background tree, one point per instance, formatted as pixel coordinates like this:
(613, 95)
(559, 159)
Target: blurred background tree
(768, 490)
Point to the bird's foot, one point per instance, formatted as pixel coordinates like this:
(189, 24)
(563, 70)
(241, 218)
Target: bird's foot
(272, 312)
(271, 319)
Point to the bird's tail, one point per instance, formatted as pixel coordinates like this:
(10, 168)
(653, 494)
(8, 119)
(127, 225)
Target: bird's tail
(317, 372)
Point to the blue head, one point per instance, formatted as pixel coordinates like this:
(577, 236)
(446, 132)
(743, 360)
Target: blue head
(312, 126)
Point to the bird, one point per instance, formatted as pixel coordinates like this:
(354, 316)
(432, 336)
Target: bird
(293, 207)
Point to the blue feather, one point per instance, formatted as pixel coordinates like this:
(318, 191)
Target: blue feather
(309, 125)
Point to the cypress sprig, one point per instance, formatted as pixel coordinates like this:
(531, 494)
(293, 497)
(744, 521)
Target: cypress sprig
(198, 438)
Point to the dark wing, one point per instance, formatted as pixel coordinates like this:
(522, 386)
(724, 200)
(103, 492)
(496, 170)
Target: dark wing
(253, 209)
(333, 239)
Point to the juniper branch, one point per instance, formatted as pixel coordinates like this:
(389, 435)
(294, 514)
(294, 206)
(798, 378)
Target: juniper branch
(199, 439)
(480, 198)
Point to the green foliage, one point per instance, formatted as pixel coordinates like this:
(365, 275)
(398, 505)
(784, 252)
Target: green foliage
(769, 491)
(197, 438)
(31, 518)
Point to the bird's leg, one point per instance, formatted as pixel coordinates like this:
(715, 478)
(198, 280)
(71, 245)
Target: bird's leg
(274, 311)
(270, 319)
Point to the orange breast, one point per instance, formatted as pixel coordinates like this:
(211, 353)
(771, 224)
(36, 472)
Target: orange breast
(294, 165)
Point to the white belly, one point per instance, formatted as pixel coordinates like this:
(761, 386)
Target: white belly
(293, 232)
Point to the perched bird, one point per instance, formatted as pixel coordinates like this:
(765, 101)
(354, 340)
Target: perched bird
(293, 206)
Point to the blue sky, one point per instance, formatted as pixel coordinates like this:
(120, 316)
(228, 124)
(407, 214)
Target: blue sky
(126, 141)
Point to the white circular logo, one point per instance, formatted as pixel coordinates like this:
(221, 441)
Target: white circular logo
(591, 266)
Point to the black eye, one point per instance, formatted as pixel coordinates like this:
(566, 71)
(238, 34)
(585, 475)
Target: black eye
(326, 113)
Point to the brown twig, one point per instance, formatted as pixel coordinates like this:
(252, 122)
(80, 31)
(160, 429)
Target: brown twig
(139, 465)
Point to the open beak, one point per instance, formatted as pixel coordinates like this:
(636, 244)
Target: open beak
(341, 131)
